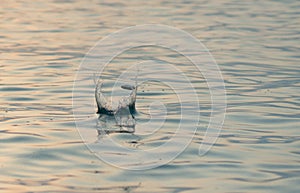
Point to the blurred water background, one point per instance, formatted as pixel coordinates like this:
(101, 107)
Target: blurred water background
(255, 43)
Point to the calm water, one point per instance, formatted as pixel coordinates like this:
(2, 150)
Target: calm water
(256, 45)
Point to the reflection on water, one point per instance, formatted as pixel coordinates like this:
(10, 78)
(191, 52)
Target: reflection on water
(255, 44)
(120, 123)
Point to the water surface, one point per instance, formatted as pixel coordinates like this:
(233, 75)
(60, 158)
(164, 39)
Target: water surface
(256, 45)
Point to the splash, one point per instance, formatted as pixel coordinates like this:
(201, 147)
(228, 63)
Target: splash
(121, 115)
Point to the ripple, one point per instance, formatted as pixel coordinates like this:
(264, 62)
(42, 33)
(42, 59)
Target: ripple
(42, 44)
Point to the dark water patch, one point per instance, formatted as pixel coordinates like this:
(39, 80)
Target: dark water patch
(16, 89)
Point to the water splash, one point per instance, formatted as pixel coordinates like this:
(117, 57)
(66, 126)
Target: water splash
(121, 115)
